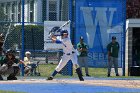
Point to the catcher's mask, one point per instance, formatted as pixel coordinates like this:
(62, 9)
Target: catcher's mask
(64, 32)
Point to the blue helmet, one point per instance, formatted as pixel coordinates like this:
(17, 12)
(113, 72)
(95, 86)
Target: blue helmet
(64, 31)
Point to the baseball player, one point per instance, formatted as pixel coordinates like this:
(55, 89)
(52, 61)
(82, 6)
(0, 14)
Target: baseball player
(113, 51)
(69, 53)
(8, 67)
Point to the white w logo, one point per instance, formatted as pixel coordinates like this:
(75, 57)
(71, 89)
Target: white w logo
(92, 20)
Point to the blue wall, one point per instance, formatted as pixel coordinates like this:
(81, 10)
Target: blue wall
(97, 21)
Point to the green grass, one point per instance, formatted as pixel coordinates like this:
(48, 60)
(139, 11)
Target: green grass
(47, 69)
(2, 91)
(95, 72)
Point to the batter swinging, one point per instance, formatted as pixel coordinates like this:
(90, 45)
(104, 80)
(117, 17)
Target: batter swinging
(69, 53)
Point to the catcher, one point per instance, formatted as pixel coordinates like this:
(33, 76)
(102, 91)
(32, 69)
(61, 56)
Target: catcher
(7, 66)
(69, 53)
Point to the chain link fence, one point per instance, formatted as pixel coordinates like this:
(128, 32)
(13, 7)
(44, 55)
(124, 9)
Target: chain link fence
(32, 14)
(35, 13)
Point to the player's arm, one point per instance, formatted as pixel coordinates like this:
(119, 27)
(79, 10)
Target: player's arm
(55, 40)
(79, 48)
(82, 49)
(86, 47)
(21, 62)
(109, 51)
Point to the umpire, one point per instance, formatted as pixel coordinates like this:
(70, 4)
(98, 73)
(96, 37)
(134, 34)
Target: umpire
(113, 50)
(7, 66)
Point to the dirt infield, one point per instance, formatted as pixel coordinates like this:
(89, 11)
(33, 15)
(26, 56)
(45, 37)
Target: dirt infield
(73, 85)
(126, 83)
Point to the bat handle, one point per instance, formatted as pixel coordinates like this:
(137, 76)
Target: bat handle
(69, 21)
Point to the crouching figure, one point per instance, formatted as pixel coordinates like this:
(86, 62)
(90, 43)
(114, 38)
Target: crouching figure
(9, 66)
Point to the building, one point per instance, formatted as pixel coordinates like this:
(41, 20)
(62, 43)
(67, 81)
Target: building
(35, 10)
(132, 50)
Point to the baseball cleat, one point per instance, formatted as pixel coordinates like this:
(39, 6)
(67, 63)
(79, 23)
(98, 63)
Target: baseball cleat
(81, 79)
(50, 78)
(87, 75)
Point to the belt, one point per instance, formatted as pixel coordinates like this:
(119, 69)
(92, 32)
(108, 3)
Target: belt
(69, 53)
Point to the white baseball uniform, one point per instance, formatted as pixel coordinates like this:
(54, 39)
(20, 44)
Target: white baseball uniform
(69, 53)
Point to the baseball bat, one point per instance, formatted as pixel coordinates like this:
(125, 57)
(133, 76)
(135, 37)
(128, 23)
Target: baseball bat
(66, 23)
(8, 31)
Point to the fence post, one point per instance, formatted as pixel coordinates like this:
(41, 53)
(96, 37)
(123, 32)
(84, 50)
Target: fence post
(23, 49)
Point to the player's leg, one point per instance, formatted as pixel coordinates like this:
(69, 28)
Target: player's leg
(27, 70)
(110, 63)
(14, 70)
(78, 71)
(76, 66)
(115, 62)
(80, 62)
(61, 64)
(1, 78)
(3, 70)
(86, 65)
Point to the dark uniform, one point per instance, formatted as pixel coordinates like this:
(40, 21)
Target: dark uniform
(82, 57)
(7, 67)
(113, 50)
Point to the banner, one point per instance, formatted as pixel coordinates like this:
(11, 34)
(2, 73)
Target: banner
(97, 21)
(48, 25)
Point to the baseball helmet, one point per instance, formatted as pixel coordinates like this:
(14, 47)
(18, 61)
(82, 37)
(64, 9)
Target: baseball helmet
(9, 51)
(63, 32)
